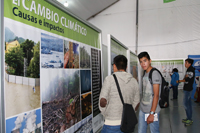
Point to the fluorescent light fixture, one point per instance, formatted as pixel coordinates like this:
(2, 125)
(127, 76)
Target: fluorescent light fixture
(66, 4)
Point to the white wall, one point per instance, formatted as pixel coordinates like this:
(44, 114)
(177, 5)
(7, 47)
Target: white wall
(118, 20)
(169, 30)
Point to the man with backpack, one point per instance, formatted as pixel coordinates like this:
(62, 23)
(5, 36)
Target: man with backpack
(149, 105)
(110, 103)
(187, 89)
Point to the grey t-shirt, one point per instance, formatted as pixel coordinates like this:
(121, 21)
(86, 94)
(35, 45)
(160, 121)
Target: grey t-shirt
(147, 92)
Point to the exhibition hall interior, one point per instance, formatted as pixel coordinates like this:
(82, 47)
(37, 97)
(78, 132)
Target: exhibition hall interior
(56, 55)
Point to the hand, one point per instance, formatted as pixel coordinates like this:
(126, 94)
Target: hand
(150, 119)
(177, 81)
(186, 76)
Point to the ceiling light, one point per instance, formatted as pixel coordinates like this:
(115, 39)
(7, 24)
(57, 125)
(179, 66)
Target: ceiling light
(66, 4)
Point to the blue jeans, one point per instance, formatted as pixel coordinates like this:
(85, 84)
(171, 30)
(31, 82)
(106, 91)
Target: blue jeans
(187, 103)
(175, 92)
(111, 129)
(142, 125)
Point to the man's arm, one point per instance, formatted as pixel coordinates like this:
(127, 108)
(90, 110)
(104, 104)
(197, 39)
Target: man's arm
(154, 103)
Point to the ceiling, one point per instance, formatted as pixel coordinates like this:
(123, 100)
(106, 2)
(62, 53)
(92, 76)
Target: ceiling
(86, 9)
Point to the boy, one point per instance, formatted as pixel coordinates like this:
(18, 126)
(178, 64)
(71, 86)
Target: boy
(187, 89)
(149, 105)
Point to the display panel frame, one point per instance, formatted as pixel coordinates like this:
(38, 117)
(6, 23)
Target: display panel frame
(111, 38)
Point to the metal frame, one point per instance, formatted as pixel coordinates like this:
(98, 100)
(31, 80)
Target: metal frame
(2, 110)
(63, 8)
(109, 37)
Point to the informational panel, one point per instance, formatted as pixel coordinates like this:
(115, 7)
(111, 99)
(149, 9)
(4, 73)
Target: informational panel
(105, 61)
(166, 67)
(134, 65)
(52, 69)
(115, 48)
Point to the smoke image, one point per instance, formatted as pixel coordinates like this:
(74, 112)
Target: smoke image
(25, 123)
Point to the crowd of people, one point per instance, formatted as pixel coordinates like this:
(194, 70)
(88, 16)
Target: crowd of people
(146, 98)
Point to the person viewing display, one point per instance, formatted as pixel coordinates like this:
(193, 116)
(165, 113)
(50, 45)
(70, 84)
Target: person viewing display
(110, 103)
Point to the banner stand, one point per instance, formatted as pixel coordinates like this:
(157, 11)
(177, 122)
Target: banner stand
(2, 114)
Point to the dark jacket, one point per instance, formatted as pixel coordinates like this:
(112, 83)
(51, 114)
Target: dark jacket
(188, 85)
(175, 77)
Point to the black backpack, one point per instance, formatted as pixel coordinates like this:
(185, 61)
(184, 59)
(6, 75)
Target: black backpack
(164, 95)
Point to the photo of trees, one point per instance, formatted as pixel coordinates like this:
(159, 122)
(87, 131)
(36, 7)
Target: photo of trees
(60, 99)
(71, 54)
(85, 56)
(22, 55)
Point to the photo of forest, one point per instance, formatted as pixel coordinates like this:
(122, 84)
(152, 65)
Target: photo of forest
(51, 51)
(22, 55)
(86, 105)
(85, 81)
(71, 54)
(85, 56)
(60, 99)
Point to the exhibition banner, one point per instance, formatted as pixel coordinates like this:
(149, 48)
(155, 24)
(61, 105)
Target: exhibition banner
(116, 49)
(134, 65)
(166, 67)
(52, 70)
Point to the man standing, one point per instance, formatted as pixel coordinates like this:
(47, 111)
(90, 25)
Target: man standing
(149, 105)
(109, 101)
(187, 89)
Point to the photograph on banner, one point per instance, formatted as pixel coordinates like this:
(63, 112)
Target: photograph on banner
(134, 66)
(85, 81)
(86, 105)
(85, 56)
(51, 51)
(85, 126)
(61, 107)
(116, 49)
(29, 122)
(22, 70)
(71, 54)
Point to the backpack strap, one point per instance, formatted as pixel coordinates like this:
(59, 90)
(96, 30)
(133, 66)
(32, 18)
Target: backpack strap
(118, 88)
(150, 74)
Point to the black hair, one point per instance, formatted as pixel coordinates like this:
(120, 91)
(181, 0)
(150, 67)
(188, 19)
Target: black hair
(175, 70)
(121, 62)
(144, 54)
(189, 60)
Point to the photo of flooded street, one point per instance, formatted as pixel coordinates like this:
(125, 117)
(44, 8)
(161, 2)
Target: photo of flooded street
(21, 98)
